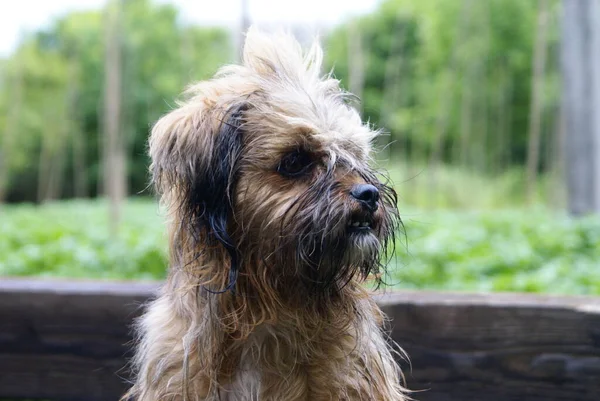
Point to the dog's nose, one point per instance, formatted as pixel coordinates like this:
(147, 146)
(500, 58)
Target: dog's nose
(366, 194)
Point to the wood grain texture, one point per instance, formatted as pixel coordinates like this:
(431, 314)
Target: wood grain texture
(66, 340)
(498, 347)
(69, 341)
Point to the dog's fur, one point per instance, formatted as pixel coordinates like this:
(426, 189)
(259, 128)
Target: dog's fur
(264, 298)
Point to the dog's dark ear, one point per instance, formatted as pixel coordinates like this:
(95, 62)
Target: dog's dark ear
(212, 192)
(193, 144)
(195, 154)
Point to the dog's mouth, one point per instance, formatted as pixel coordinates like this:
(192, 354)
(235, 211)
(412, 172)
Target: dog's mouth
(360, 223)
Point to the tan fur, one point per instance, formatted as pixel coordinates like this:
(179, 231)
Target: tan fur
(274, 337)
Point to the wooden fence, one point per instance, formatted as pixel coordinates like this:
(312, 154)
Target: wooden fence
(69, 341)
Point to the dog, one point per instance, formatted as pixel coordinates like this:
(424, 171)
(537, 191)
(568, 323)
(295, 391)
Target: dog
(275, 219)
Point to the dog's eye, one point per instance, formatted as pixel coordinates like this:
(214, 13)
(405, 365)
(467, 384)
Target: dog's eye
(294, 164)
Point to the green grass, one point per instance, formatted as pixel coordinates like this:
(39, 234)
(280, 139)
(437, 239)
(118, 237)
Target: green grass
(533, 250)
(71, 239)
(506, 250)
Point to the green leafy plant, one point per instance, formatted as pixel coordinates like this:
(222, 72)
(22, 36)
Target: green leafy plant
(496, 250)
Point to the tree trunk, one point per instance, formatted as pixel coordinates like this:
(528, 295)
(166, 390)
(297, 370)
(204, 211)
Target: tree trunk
(506, 154)
(446, 103)
(581, 101)
(44, 166)
(558, 155)
(52, 154)
(444, 115)
(500, 135)
(393, 94)
(79, 164)
(56, 168)
(244, 25)
(3, 154)
(537, 93)
(356, 62)
(10, 132)
(466, 119)
(78, 146)
(114, 153)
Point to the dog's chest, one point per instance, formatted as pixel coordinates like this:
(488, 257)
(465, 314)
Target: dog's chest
(246, 382)
(245, 385)
(264, 361)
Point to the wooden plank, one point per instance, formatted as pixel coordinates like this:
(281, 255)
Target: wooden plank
(498, 347)
(68, 341)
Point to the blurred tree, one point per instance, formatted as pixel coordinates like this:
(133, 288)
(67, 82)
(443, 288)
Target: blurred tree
(465, 73)
(356, 61)
(35, 123)
(9, 112)
(113, 150)
(52, 106)
(536, 109)
(580, 55)
(62, 74)
(446, 100)
(450, 80)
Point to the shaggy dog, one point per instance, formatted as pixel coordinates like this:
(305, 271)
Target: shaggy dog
(276, 218)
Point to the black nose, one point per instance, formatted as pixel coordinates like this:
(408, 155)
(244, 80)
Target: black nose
(367, 194)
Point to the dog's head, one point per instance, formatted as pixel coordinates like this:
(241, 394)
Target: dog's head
(266, 169)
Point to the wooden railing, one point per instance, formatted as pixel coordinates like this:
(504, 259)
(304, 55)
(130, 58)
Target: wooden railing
(70, 341)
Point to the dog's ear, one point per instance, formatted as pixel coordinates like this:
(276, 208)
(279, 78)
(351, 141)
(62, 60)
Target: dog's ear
(195, 157)
(194, 146)
(180, 145)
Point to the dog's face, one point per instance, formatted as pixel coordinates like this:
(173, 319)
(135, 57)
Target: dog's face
(269, 163)
(306, 199)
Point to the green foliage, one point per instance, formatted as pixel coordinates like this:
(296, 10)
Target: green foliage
(514, 250)
(38, 112)
(433, 69)
(57, 75)
(71, 239)
(462, 67)
(510, 250)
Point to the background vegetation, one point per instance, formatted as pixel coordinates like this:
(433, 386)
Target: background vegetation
(480, 183)
(53, 92)
(508, 250)
(449, 80)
